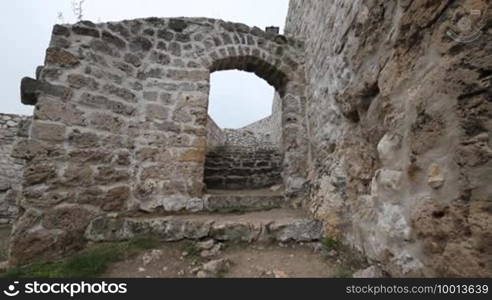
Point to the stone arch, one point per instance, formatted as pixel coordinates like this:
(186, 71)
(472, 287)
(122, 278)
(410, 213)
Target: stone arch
(249, 63)
(278, 60)
(119, 124)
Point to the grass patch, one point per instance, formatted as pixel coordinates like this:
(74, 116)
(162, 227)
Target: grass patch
(330, 244)
(88, 264)
(343, 273)
(192, 249)
(3, 254)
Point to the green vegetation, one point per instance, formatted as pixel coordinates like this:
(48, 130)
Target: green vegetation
(192, 249)
(3, 254)
(88, 264)
(343, 272)
(330, 244)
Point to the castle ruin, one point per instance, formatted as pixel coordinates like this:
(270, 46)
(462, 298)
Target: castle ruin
(380, 136)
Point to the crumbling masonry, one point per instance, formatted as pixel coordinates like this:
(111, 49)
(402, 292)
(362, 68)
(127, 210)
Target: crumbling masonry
(382, 133)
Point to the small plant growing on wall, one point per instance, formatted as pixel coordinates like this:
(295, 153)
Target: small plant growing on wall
(78, 9)
(330, 243)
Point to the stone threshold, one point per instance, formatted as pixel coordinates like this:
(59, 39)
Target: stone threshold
(243, 200)
(277, 225)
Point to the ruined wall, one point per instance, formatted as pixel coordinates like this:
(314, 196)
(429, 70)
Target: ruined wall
(120, 121)
(399, 116)
(248, 139)
(12, 129)
(215, 135)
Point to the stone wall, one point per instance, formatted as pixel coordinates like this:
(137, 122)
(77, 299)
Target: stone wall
(399, 118)
(255, 138)
(120, 122)
(248, 139)
(12, 128)
(215, 135)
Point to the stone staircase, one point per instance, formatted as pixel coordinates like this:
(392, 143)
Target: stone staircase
(244, 203)
(230, 216)
(227, 201)
(232, 168)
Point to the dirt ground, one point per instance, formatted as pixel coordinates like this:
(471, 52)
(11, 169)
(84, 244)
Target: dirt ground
(180, 260)
(247, 261)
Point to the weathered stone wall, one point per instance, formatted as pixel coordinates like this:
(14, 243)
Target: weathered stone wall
(240, 168)
(12, 128)
(248, 139)
(399, 116)
(215, 135)
(120, 121)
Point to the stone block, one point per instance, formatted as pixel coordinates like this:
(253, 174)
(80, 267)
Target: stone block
(109, 175)
(112, 39)
(76, 175)
(102, 102)
(61, 30)
(124, 94)
(38, 172)
(32, 89)
(49, 132)
(192, 155)
(72, 218)
(86, 31)
(107, 122)
(78, 81)
(58, 56)
(158, 112)
(115, 199)
(83, 139)
(177, 25)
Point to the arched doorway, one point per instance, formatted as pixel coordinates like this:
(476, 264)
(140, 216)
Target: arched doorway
(244, 152)
(284, 74)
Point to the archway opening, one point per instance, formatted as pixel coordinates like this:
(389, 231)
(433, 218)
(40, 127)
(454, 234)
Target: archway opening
(238, 99)
(244, 133)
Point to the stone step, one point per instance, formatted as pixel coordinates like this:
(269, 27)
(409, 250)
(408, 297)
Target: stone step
(243, 200)
(278, 225)
(242, 168)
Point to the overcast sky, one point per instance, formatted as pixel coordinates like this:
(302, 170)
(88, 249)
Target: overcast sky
(237, 98)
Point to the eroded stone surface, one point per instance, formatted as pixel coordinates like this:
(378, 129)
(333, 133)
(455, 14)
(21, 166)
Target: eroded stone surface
(399, 118)
(276, 225)
(245, 200)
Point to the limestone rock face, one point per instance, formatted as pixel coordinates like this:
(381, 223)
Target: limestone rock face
(399, 118)
(371, 272)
